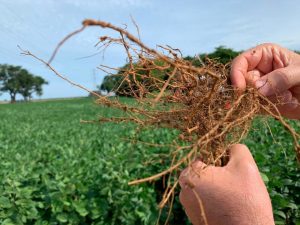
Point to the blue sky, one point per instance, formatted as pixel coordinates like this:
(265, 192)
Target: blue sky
(194, 26)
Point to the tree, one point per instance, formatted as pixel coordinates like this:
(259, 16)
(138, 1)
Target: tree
(221, 54)
(112, 82)
(8, 79)
(30, 84)
(143, 75)
(16, 80)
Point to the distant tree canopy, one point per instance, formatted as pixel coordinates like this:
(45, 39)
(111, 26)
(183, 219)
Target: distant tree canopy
(221, 54)
(16, 80)
(114, 82)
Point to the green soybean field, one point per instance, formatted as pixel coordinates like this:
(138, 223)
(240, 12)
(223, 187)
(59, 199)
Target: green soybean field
(56, 169)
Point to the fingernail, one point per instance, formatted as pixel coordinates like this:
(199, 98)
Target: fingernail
(263, 86)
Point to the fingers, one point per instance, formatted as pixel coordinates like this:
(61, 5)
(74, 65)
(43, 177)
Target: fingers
(192, 188)
(195, 169)
(284, 101)
(259, 59)
(278, 80)
(281, 98)
(263, 58)
(296, 92)
(240, 159)
(245, 62)
(280, 60)
(238, 71)
(252, 76)
(291, 110)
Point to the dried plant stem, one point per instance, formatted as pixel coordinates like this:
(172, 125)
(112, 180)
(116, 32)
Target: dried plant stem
(167, 171)
(201, 207)
(168, 195)
(165, 86)
(59, 75)
(170, 92)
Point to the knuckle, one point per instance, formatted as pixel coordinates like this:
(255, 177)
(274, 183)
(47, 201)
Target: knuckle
(182, 177)
(269, 44)
(283, 79)
(251, 169)
(240, 146)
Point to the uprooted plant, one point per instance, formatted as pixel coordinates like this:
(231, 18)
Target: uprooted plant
(170, 92)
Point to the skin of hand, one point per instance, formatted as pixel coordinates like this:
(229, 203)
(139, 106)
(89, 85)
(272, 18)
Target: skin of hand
(230, 195)
(275, 71)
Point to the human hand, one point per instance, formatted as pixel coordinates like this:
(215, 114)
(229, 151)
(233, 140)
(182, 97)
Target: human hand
(275, 71)
(229, 195)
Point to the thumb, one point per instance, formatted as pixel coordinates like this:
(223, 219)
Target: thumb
(190, 172)
(240, 157)
(278, 80)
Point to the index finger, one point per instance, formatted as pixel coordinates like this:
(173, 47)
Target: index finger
(239, 68)
(186, 176)
(242, 64)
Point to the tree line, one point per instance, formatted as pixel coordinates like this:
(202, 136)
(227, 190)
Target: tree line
(113, 83)
(17, 80)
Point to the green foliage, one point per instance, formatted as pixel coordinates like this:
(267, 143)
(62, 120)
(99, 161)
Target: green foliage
(128, 87)
(55, 170)
(110, 83)
(114, 83)
(272, 149)
(221, 54)
(16, 80)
